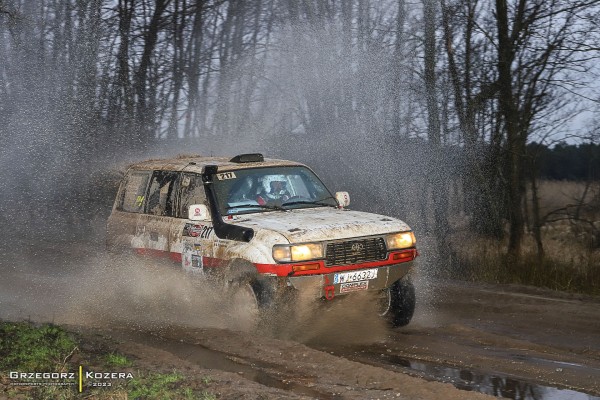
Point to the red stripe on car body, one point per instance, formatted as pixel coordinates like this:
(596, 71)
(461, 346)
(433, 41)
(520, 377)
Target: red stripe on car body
(286, 269)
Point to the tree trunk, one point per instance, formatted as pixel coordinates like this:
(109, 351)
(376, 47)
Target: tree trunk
(439, 183)
(510, 114)
(536, 219)
(144, 114)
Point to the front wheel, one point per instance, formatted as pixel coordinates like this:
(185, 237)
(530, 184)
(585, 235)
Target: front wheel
(398, 302)
(251, 297)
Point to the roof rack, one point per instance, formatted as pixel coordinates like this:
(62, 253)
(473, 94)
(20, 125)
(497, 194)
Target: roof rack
(247, 158)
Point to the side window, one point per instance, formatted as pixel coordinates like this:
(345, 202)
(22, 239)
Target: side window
(192, 192)
(133, 198)
(161, 193)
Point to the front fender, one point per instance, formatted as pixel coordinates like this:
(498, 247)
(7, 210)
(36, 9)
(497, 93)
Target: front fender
(259, 250)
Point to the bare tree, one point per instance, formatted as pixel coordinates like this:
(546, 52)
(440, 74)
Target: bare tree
(439, 179)
(527, 66)
(473, 90)
(144, 111)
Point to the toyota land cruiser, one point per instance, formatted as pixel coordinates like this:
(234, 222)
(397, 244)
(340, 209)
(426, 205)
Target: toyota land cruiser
(269, 225)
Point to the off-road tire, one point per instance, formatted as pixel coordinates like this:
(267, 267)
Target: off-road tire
(402, 302)
(241, 273)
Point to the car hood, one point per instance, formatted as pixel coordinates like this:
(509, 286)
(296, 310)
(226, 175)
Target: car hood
(317, 224)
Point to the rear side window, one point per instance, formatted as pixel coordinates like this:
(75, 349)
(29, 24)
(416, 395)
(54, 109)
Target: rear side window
(134, 194)
(161, 194)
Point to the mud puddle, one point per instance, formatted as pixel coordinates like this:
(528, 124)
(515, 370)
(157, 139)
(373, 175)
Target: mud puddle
(212, 359)
(497, 385)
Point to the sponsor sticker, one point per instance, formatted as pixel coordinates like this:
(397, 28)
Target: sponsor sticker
(196, 261)
(201, 231)
(354, 286)
(191, 256)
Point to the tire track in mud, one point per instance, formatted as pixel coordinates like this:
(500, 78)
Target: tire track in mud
(263, 373)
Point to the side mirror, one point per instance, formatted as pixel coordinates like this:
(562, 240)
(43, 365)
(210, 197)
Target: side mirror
(343, 199)
(198, 212)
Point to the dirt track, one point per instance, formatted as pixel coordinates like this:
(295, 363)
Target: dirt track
(513, 342)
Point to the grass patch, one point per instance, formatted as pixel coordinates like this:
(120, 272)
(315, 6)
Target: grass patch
(117, 360)
(26, 347)
(159, 386)
(207, 396)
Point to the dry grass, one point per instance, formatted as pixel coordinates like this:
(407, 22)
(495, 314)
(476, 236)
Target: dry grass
(557, 194)
(571, 260)
(567, 266)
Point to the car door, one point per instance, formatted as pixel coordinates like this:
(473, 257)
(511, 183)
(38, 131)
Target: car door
(192, 239)
(153, 233)
(123, 223)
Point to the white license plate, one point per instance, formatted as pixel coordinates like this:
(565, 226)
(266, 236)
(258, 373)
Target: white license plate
(355, 276)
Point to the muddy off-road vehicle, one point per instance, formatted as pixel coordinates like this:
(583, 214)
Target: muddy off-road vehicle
(269, 227)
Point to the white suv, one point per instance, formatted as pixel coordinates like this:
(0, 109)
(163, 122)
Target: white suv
(268, 225)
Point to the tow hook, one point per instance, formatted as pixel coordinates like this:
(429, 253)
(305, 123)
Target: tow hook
(329, 290)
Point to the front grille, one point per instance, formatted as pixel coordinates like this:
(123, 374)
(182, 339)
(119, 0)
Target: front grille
(355, 251)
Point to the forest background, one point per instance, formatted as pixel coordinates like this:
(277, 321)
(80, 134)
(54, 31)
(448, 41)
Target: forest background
(476, 121)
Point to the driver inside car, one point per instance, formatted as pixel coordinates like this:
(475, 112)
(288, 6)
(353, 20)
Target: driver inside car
(274, 190)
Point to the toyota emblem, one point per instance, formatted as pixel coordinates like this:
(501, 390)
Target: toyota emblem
(357, 247)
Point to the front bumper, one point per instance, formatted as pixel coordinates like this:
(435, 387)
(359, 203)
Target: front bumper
(318, 286)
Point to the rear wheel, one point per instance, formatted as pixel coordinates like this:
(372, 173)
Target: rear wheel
(397, 303)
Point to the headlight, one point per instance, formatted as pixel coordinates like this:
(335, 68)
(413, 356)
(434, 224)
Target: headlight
(402, 240)
(297, 252)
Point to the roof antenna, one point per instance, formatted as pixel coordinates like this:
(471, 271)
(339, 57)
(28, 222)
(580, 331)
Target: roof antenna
(188, 164)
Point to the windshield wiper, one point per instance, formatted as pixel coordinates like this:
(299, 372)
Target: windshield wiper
(265, 206)
(320, 202)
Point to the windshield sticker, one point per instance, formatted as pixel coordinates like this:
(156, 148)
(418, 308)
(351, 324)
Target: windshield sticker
(226, 175)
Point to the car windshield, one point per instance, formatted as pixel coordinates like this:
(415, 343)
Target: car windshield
(257, 190)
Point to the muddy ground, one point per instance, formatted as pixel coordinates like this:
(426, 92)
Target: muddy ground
(507, 341)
